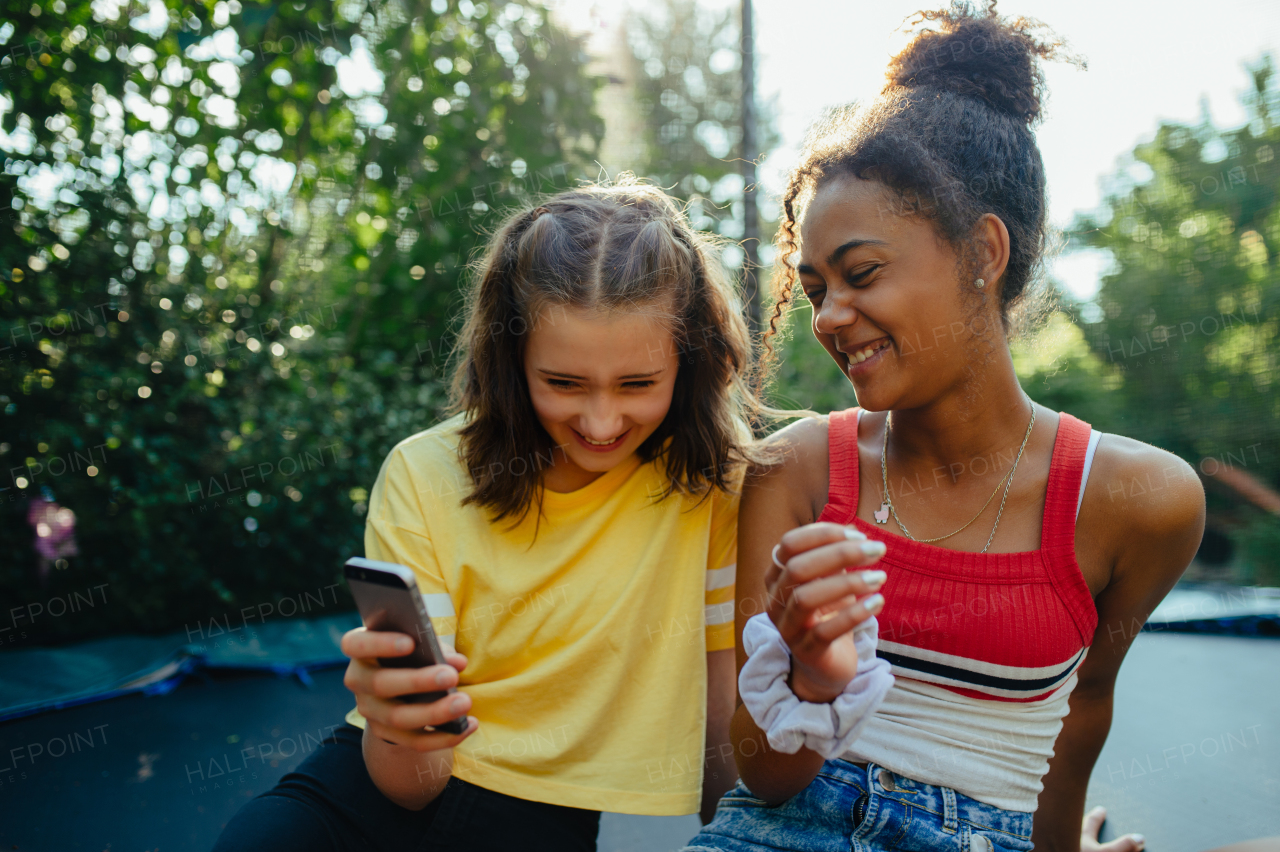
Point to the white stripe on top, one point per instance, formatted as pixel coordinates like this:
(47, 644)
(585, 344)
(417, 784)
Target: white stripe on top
(719, 578)
(438, 605)
(980, 666)
(1094, 437)
(721, 613)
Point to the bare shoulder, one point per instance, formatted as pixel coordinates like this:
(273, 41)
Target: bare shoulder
(1141, 521)
(800, 470)
(1146, 489)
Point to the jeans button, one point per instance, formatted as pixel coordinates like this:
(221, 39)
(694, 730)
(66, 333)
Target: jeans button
(886, 781)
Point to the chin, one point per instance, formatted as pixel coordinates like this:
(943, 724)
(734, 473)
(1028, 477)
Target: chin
(593, 463)
(872, 399)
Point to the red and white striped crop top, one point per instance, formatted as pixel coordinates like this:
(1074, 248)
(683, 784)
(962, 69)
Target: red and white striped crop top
(984, 647)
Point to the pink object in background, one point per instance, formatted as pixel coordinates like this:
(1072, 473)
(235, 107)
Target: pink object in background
(55, 528)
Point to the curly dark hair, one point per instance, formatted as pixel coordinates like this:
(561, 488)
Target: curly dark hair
(623, 246)
(950, 138)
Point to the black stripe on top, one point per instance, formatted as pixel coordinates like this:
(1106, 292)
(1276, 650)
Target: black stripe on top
(978, 678)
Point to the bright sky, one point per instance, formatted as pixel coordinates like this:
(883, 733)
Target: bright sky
(1148, 62)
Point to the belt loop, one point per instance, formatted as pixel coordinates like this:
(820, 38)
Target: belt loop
(951, 814)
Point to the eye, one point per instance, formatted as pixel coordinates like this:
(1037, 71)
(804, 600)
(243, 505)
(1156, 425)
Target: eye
(815, 295)
(638, 384)
(857, 277)
(561, 383)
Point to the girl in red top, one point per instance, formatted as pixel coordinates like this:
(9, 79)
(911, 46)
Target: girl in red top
(1011, 580)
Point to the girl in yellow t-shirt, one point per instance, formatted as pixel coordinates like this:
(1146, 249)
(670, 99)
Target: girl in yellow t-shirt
(573, 531)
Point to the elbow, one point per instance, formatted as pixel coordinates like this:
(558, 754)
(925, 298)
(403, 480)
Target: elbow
(406, 778)
(772, 777)
(414, 801)
(772, 788)
(407, 795)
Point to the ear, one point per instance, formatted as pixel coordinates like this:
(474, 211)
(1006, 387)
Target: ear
(992, 241)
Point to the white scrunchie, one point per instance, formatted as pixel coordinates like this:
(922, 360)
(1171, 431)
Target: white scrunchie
(788, 722)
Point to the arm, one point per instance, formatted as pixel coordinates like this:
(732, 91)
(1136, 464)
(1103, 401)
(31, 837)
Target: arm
(719, 772)
(407, 763)
(777, 508)
(1147, 540)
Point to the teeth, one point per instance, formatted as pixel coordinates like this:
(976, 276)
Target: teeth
(859, 357)
(598, 443)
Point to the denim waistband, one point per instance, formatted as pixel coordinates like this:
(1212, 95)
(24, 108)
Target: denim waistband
(950, 807)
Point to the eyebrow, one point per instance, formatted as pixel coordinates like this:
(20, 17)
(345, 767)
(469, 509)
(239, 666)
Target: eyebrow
(841, 251)
(584, 378)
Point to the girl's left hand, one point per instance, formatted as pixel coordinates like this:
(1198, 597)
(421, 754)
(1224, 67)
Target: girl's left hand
(1089, 835)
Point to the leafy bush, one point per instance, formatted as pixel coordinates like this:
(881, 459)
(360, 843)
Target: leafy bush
(237, 236)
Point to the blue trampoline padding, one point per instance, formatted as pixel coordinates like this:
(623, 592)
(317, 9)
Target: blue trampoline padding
(1218, 609)
(36, 680)
(284, 646)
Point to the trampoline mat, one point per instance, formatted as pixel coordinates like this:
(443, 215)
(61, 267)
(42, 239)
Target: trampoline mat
(1193, 759)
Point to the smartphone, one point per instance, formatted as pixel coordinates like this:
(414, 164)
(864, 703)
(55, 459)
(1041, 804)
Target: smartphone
(388, 599)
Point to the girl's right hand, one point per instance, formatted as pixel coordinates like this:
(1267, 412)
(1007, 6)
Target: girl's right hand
(816, 600)
(377, 690)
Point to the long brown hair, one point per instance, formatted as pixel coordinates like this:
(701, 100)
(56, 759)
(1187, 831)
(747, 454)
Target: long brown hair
(622, 246)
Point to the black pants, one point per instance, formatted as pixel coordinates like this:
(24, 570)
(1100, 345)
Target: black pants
(330, 803)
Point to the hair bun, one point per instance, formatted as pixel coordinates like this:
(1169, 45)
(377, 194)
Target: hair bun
(978, 54)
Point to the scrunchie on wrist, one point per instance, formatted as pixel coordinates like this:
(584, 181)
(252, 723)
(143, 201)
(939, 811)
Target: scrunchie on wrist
(788, 722)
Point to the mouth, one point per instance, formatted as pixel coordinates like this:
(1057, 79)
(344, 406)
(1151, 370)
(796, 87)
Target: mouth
(862, 358)
(600, 446)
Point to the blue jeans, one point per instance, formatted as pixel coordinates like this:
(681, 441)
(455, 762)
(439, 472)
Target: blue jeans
(848, 807)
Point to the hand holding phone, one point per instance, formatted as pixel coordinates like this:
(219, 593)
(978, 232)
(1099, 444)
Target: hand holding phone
(402, 679)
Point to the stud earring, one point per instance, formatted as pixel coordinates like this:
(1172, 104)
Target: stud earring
(980, 283)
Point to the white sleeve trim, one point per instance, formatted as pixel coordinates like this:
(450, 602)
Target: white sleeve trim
(718, 613)
(438, 605)
(1094, 437)
(719, 578)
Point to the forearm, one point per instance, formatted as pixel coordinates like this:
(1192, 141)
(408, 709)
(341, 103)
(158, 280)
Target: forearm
(1061, 804)
(718, 771)
(410, 778)
(770, 775)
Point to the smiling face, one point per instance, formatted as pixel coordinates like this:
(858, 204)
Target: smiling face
(887, 301)
(600, 384)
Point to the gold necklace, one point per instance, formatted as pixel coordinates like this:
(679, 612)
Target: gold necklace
(887, 508)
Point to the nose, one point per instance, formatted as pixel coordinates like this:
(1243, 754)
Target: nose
(602, 419)
(836, 311)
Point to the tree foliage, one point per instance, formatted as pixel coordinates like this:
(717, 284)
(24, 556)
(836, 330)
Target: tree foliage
(685, 68)
(236, 237)
(1188, 320)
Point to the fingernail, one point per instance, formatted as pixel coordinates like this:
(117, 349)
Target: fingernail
(852, 534)
(404, 643)
(442, 678)
(874, 603)
(874, 579)
(458, 703)
(873, 548)
(1139, 839)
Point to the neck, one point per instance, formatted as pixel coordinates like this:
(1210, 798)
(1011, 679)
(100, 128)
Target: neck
(564, 475)
(983, 414)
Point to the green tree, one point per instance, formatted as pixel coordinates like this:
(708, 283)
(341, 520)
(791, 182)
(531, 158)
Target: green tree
(1188, 318)
(685, 83)
(236, 237)
(683, 64)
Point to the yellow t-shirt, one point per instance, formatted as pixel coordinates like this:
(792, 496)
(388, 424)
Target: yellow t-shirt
(585, 646)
